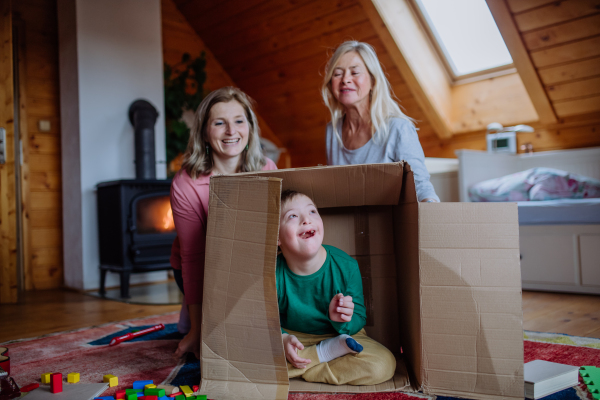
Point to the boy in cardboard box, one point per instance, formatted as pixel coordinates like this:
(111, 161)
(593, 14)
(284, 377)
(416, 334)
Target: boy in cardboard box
(321, 304)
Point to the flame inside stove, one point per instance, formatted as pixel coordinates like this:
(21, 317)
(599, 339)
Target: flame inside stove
(154, 215)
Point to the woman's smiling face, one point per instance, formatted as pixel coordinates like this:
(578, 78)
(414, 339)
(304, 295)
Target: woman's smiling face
(351, 80)
(227, 130)
(300, 228)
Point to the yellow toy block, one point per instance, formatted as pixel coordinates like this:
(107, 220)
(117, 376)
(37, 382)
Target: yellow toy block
(150, 386)
(186, 390)
(46, 378)
(73, 377)
(111, 380)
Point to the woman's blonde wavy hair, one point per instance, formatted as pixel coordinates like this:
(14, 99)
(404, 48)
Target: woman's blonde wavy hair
(196, 161)
(382, 103)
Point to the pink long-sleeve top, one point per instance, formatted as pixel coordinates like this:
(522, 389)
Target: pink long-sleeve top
(189, 202)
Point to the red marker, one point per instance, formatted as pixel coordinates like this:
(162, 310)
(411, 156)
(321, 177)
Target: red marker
(133, 335)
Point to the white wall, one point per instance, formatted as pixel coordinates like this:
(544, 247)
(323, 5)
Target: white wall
(114, 50)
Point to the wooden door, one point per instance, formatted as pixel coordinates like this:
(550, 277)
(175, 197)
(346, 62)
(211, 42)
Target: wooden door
(8, 209)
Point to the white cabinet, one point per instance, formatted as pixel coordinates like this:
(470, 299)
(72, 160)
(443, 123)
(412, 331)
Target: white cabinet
(564, 258)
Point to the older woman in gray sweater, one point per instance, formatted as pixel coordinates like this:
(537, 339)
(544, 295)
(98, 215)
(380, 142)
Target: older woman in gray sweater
(367, 126)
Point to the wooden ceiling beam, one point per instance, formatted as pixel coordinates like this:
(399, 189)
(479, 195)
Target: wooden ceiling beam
(521, 60)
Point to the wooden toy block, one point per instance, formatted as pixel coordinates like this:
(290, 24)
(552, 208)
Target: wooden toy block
(187, 391)
(202, 397)
(30, 387)
(132, 396)
(154, 392)
(46, 378)
(73, 377)
(120, 394)
(151, 397)
(133, 391)
(111, 380)
(174, 395)
(180, 397)
(168, 389)
(150, 386)
(195, 388)
(141, 384)
(104, 398)
(56, 383)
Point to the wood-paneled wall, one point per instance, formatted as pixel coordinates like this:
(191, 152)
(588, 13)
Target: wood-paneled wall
(276, 51)
(39, 90)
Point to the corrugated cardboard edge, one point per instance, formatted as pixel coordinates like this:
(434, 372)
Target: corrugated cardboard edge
(241, 379)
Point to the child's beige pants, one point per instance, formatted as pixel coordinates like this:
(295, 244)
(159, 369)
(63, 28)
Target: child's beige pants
(374, 365)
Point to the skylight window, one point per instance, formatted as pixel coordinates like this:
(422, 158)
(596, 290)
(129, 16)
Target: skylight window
(466, 34)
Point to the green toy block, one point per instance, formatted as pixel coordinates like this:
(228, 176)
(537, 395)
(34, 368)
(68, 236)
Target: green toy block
(591, 377)
(133, 391)
(202, 397)
(180, 397)
(154, 392)
(131, 396)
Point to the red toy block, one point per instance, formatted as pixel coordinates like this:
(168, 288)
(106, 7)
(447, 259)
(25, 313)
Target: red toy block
(175, 394)
(195, 388)
(56, 383)
(152, 397)
(30, 387)
(120, 394)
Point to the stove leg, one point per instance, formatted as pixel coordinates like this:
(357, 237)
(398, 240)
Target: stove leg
(102, 290)
(125, 284)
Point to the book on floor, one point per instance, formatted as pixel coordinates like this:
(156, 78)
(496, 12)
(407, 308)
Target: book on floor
(544, 377)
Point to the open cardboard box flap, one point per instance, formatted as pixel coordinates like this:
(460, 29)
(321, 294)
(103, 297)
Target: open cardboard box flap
(442, 283)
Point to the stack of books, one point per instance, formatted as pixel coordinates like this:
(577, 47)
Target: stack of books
(543, 378)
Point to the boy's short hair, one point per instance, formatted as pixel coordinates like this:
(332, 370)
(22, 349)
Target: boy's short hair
(289, 194)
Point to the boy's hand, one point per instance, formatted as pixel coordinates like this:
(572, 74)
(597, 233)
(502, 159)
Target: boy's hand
(291, 345)
(341, 308)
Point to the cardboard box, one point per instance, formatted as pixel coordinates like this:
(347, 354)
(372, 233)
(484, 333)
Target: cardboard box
(441, 281)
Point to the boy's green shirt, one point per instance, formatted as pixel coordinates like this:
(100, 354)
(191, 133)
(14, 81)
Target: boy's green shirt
(304, 299)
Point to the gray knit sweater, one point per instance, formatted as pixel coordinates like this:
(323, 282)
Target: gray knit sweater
(402, 144)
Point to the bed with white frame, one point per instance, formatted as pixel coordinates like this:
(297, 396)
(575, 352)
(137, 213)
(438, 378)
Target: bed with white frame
(560, 240)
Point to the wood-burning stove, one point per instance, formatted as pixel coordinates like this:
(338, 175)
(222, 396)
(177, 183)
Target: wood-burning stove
(136, 228)
(135, 222)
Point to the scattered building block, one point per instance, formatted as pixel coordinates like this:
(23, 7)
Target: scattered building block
(169, 389)
(120, 394)
(141, 384)
(154, 392)
(187, 391)
(111, 380)
(591, 378)
(73, 377)
(178, 393)
(46, 378)
(165, 398)
(30, 387)
(195, 388)
(132, 396)
(180, 397)
(56, 383)
(202, 397)
(150, 386)
(104, 398)
(151, 397)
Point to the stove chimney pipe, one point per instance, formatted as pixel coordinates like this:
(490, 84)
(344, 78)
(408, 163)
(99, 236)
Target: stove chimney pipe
(142, 116)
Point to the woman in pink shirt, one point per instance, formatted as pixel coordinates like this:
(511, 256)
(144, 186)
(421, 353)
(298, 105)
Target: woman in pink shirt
(224, 140)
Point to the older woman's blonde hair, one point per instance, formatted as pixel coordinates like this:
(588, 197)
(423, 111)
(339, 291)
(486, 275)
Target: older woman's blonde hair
(198, 157)
(382, 103)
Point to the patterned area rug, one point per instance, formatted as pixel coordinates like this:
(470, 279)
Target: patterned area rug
(151, 357)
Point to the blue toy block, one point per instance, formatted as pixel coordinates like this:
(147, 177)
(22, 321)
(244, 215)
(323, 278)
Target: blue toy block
(141, 384)
(104, 398)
